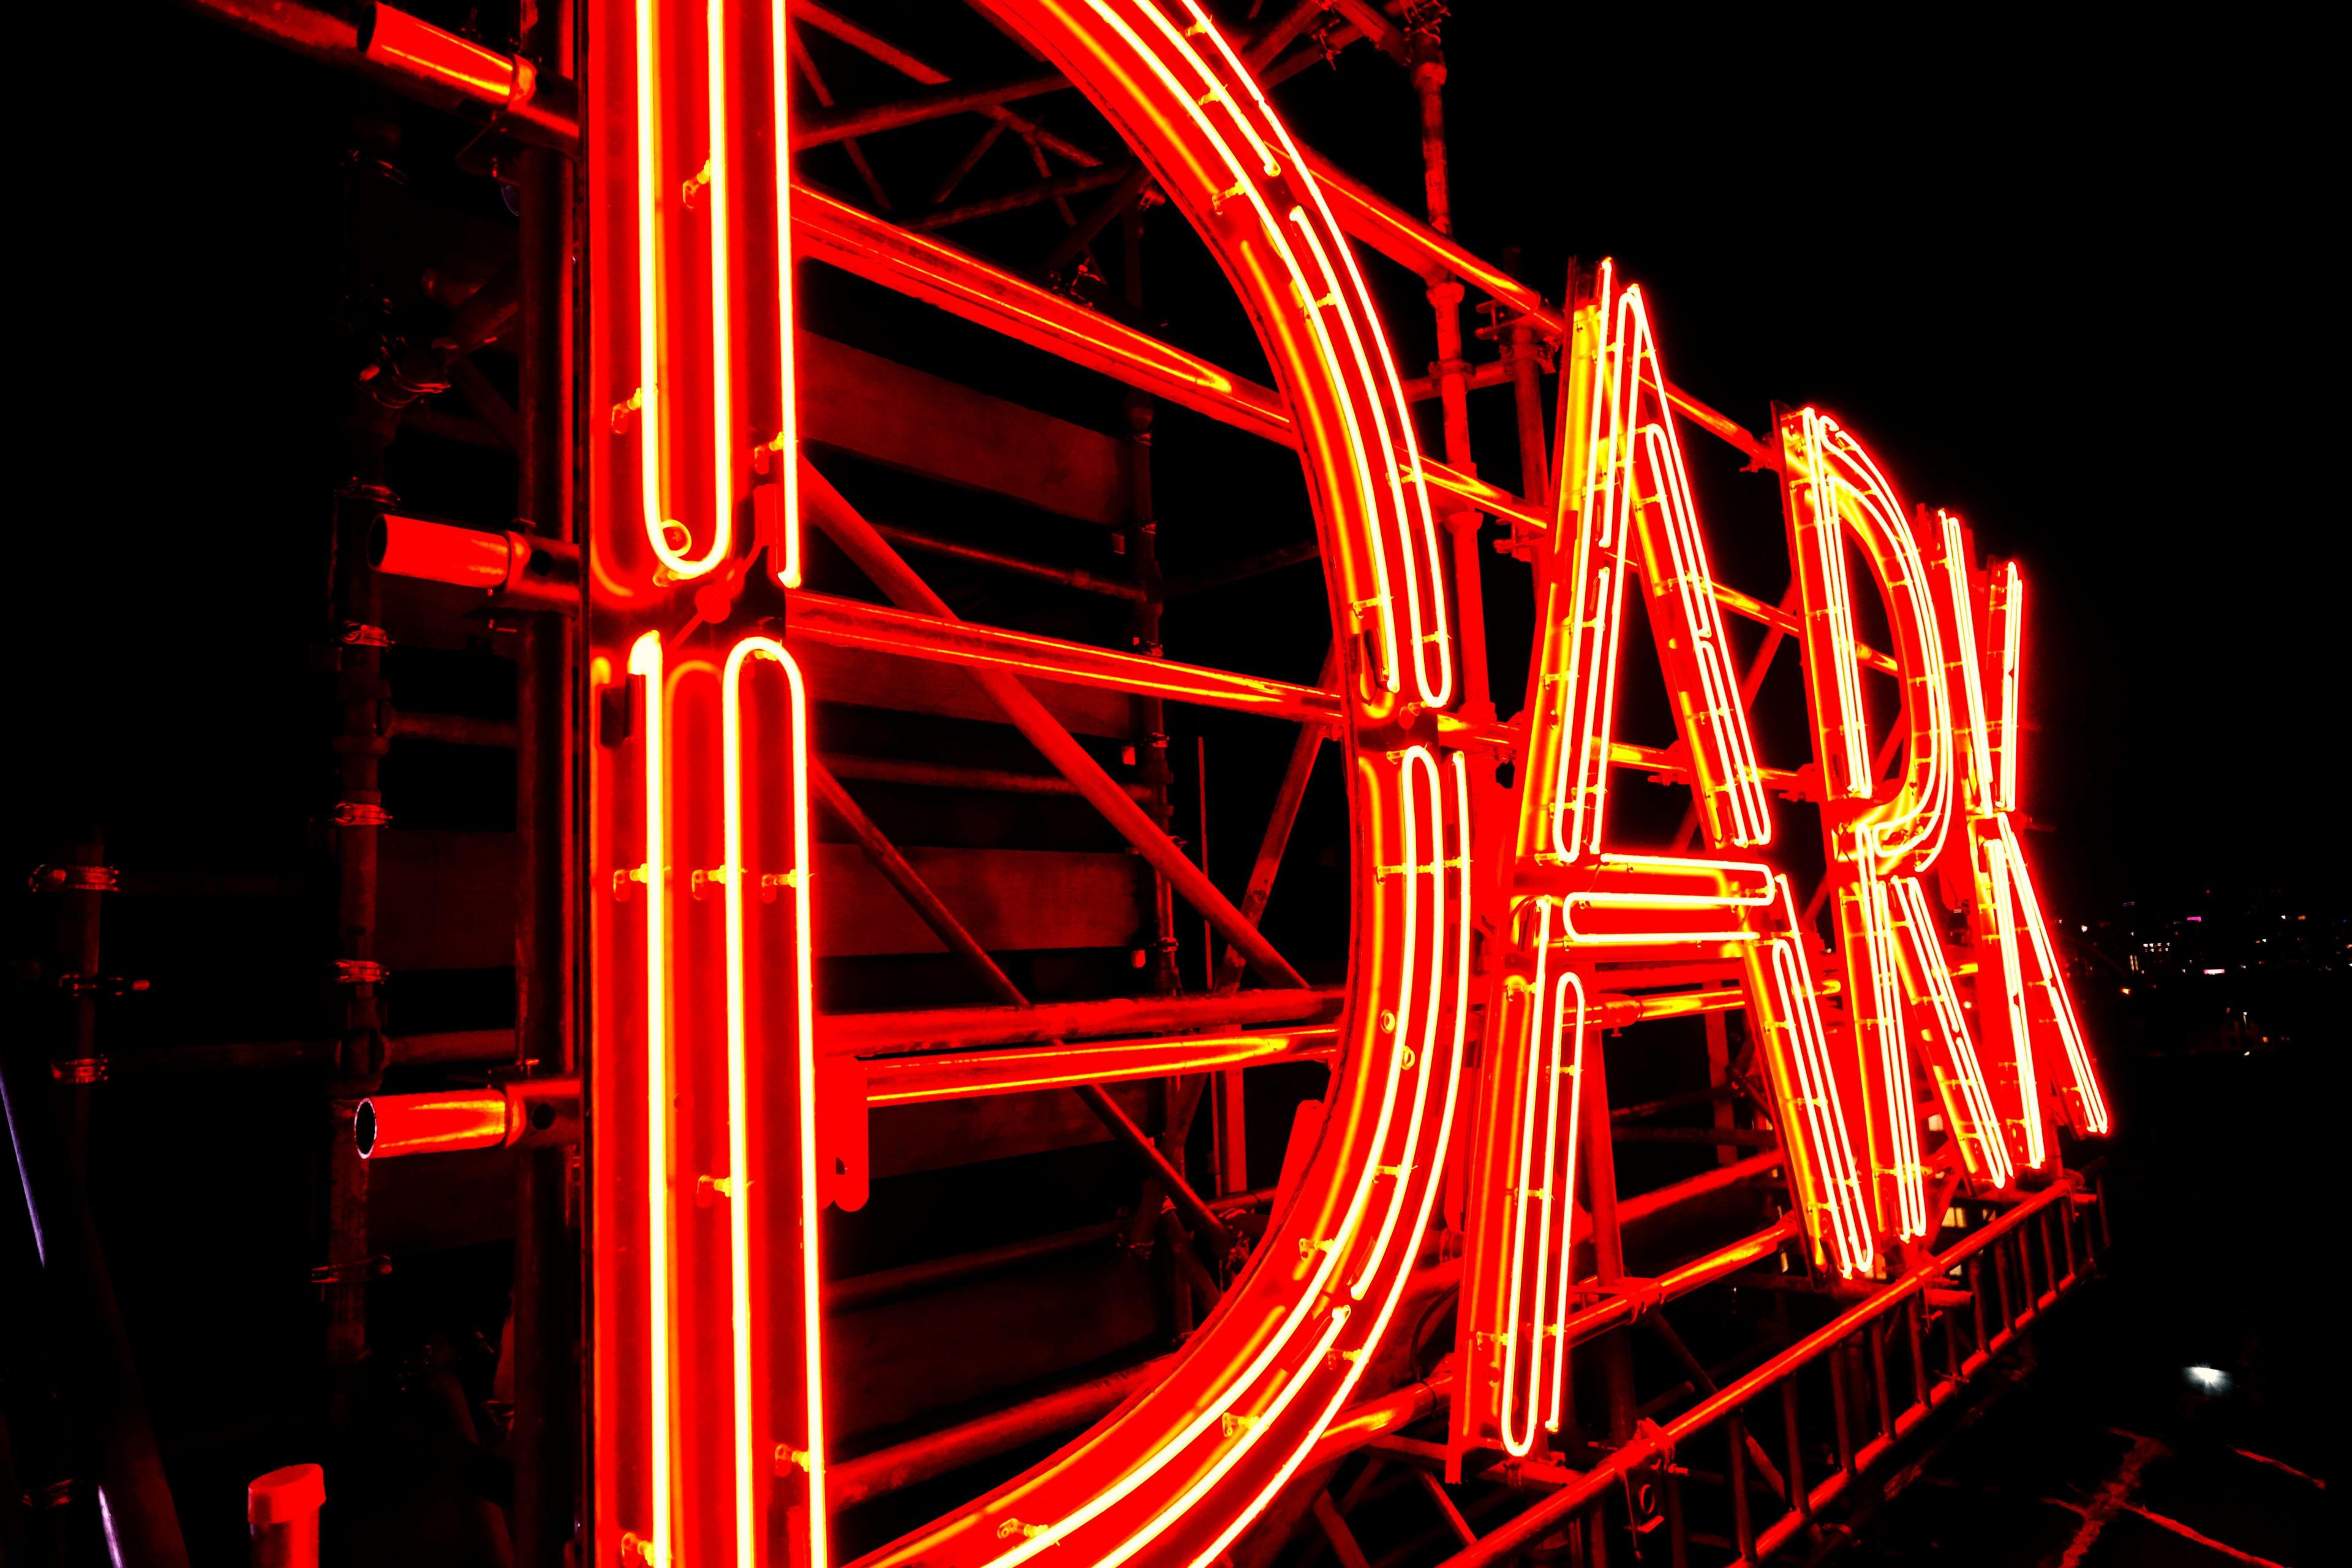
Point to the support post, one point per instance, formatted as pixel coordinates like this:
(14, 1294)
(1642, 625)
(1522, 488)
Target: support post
(104, 1404)
(1451, 369)
(1608, 1238)
(544, 1442)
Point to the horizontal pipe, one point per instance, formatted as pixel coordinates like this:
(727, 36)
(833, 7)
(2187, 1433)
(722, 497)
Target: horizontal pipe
(459, 1048)
(944, 1028)
(953, 776)
(414, 47)
(1642, 1206)
(539, 1111)
(846, 623)
(899, 1079)
(521, 571)
(1067, 576)
(389, 1125)
(1655, 1444)
(908, 1080)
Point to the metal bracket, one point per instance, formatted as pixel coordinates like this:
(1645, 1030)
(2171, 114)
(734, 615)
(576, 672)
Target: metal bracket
(360, 814)
(360, 972)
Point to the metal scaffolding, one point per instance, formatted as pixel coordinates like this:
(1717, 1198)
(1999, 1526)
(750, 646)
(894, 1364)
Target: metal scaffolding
(1671, 1437)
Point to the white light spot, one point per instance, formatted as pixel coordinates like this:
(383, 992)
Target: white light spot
(2208, 1379)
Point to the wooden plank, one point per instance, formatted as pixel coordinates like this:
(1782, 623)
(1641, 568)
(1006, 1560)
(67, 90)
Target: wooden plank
(446, 900)
(1009, 899)
(904, 419)
(862, 680)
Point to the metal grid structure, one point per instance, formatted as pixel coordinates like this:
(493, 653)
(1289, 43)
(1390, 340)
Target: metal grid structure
(653, 662)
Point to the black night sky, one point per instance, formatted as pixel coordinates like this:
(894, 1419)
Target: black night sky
(2065, 275)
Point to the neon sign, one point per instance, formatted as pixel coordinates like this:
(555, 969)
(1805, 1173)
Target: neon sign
(714, 1120)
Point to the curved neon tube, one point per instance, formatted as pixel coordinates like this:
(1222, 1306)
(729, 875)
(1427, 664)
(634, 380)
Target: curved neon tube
(652, 290)
(750, 1474)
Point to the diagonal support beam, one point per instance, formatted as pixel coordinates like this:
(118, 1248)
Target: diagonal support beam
(909, 66)
(950, 931)
(1278, 824)
(874, 556)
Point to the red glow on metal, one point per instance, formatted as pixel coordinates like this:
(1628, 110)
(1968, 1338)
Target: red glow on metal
(717, 1124)
(416, 48)
(437, 553)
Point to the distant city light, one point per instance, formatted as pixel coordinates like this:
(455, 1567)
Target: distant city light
(2208, 1379)
(2216, 971)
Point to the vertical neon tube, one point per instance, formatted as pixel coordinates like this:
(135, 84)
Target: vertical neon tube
(1570, 991)
(787, 560)
(646, 662)
(2009, 623)
(724, 461)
